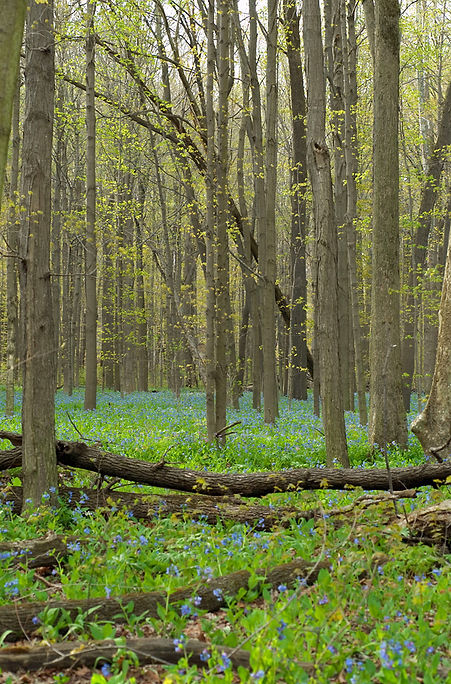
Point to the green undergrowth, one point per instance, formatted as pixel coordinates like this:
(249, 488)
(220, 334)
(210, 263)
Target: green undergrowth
(379, 613)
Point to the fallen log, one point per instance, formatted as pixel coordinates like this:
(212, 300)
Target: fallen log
(79, 455)
(148, 650)
(37, 553)
(193, 506)
(20, 619)
(431, 525)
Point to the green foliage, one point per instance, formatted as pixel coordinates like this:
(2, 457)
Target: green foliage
(380, 613)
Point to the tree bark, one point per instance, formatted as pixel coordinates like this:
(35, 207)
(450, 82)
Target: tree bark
(11, 265)
(326, 240)
(213, 595)
(78, 455)
(91, 248)
(11, 30)
(71, 654)
(433, 425)
(297, 381)
(387, 420)
(38, 410)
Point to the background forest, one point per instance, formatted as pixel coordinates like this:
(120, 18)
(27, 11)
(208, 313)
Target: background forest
(225, 249)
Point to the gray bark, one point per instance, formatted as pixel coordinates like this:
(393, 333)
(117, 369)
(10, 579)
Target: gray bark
(326, 241)
(11, 30)
(38, 419)
(91, 248)
(387, 421)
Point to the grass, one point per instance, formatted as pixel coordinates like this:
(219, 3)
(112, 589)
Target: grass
(380, 613)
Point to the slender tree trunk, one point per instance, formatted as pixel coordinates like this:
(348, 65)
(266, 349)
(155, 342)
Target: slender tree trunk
(326, 240)
(268, 262)
(297, 374)
(433, 425)
(141, 324)
(91, 248)
(38, 410)
(11, 30)
(351, 155)
(11, 264)
(387, 421)
(334, 62)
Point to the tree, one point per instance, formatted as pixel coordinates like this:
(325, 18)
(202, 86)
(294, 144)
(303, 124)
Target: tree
(318, 160)
(11, 30)
(433, 425)
(91, 249)
(39, 455)
(298, 343)
(387, 422)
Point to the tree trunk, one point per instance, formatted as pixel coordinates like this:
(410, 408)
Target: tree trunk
(255, 484)
(351, 153)
(38, 411)
(433, 425)
(222, 247)
(11, 30)
(91, 249)
(387, 421)
(11, 265)
(297, 374)
(326, 241)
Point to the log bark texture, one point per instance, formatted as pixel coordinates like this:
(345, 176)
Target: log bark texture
(79, 455)
(93, 654)
(19, 621)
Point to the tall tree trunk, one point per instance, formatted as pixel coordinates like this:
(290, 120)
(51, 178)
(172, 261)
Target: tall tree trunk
(91, 248)
(435, 165)
(326, 239)
(38, 409)
(433, 425)
(11, 30)
(334, 62)
(11, 266)
(387, 421)
(222, 257)
(268, 263)
(141, 324)
(351, 154)
(297, 374)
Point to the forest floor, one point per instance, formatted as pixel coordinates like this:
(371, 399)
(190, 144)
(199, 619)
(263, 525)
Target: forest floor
(374, 608)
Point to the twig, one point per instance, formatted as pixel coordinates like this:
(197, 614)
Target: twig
(222, 431)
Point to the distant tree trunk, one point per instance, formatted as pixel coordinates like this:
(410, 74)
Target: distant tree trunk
(268, 260)
(435, 165)
(109, 359)
(387, 421)
(67, 318)
(223, 216)
(38, 410)
(433, 425)
(141, 324)
(11, 265)
(351, 153)
(210, 181)
(334, 62)
(11, 30)
(326, 240)
(91, 248)
(297, 374)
